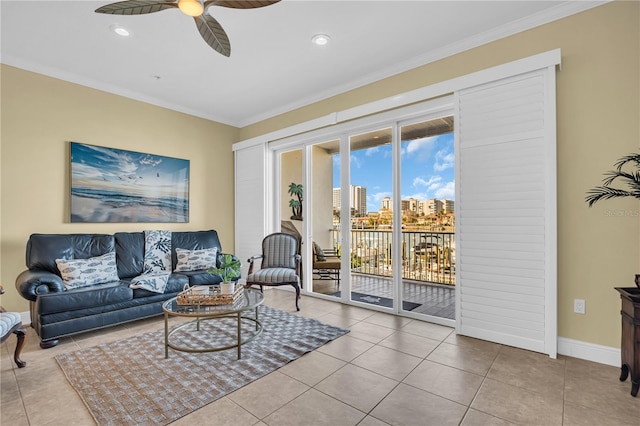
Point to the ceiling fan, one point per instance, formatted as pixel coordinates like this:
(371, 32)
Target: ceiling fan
(210, 29)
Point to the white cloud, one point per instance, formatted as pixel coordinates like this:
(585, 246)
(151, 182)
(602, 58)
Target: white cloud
(446, 191)
(148, 160)
(355, 161)
(419, 181)
(420, 148)
(444, 160)
(432, 187)
(120, 160)
(84, 171)
(371, 151)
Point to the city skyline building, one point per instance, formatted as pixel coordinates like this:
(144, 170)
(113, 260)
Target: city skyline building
(432, 206)
(357, 197)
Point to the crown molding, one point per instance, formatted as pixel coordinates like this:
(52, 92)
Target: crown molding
(104, 87)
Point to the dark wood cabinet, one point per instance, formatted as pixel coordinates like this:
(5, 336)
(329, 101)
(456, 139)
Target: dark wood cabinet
(630, 348)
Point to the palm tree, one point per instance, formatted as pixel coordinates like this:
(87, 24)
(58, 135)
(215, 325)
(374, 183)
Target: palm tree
(632, 180)
(296, 205)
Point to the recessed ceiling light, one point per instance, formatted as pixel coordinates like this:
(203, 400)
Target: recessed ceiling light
(320, 39)
(120, 30)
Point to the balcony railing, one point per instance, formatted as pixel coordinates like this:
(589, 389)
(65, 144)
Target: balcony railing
(427, 256)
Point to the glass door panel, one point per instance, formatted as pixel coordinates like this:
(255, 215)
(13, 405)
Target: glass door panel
(325, 216)
(428, 217)
(291, 192)
(371, 217)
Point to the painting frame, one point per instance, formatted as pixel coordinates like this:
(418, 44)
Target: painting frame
(113, 185)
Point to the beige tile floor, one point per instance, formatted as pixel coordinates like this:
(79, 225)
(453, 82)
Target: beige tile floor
(388, 371)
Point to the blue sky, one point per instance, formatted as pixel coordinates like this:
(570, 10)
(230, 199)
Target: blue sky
(427, 170)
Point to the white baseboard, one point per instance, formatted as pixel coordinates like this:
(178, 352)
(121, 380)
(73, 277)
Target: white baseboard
(589, 351)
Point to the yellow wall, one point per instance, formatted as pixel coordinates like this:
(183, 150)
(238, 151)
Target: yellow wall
(598, 92)
(40, 115)
(598, 110)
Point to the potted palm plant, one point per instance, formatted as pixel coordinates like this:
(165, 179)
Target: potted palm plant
(228, 271)
(630, 178)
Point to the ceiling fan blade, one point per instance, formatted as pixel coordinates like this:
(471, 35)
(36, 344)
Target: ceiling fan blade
(136, 7)
(213, 34)
(247, 4)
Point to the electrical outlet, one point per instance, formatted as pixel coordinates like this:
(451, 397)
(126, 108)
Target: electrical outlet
(579, 306)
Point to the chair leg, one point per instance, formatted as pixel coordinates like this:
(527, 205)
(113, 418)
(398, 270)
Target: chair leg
(297, 287)
(251, 285)
(22, 338)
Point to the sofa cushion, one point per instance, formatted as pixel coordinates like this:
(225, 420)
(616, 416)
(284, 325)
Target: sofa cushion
(77, 273)
(44, 249)
(318, 252)
(8, 320)
(195, 260)
(84, 297)
(129, 253)
(201, 278)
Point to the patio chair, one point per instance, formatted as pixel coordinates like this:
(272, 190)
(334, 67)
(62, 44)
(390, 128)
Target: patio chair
(280, 263)
(10, 323)
(326, 264)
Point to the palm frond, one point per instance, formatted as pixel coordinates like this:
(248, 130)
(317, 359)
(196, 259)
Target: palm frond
(630, 179)
(613, 175)
(604, 193)
(635, 158)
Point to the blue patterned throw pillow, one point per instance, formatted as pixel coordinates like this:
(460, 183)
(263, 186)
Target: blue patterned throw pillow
(195, 260)
(78, 273)
(153, 281)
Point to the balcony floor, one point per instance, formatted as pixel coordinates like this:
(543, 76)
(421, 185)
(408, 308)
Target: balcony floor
(435, 300)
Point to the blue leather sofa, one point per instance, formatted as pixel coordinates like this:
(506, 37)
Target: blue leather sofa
(57, 312)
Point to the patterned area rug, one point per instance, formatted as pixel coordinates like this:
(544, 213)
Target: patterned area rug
(130, 381)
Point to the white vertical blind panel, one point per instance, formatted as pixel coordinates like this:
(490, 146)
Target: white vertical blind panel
(250, 209)
(501, 212)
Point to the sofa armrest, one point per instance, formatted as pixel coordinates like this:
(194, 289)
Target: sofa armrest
(31, 284)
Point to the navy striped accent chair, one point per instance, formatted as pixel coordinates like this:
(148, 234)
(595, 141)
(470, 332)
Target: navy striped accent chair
(280, 263)
(10, 323)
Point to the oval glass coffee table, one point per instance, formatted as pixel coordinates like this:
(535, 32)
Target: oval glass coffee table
(250, 299)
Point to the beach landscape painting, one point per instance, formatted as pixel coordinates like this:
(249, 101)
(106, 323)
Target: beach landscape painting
(115, 185)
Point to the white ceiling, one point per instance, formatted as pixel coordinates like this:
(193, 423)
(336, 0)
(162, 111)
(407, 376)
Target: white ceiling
(273, 66)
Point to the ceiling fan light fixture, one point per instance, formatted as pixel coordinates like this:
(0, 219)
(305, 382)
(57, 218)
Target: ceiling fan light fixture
(191, 7)
(320, 39)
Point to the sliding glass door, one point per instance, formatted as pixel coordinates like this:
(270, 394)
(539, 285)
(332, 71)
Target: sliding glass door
(374, 210)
